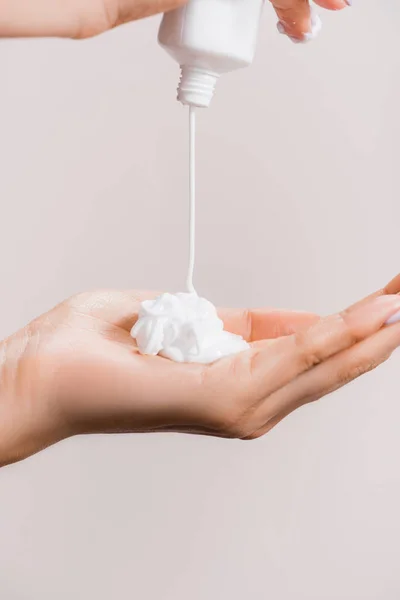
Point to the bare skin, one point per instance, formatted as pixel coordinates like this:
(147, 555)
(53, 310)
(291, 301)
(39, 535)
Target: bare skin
(85, 18)
(76, 370)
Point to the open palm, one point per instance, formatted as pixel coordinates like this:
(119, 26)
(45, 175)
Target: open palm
(77, 370)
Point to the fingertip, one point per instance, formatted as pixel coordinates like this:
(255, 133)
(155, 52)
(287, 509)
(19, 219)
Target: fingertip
(334, 4)
(393, 287)
(371, 316)
(299, 27)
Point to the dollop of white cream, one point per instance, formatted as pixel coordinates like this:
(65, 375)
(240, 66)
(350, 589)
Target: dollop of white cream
(185, 328)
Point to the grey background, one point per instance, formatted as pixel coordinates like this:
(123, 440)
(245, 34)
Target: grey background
(298, 174)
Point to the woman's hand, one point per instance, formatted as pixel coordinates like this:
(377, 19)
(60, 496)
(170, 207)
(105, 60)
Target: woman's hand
(86, 18)
(73, 18)
(77, 370)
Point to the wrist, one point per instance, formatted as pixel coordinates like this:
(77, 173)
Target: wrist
(29, 420)
(8, 426)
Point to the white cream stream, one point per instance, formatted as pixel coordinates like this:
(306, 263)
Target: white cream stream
(184, 327)
(192, 198)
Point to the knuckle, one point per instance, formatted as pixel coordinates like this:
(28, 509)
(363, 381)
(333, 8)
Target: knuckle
(350, 373)
(309, 354)
(78, 300)
(89, 302)
(353, 371)
(349, 332)
(315, 344)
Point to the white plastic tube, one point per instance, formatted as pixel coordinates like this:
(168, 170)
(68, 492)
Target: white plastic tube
(208, 38)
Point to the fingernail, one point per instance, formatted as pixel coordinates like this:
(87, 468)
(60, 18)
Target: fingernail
(394, 318)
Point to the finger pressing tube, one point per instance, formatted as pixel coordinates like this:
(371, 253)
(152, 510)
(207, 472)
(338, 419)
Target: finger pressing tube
(299, 21)
(301, 24)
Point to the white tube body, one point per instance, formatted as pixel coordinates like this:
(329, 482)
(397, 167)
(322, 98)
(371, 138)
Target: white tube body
(208, 38)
